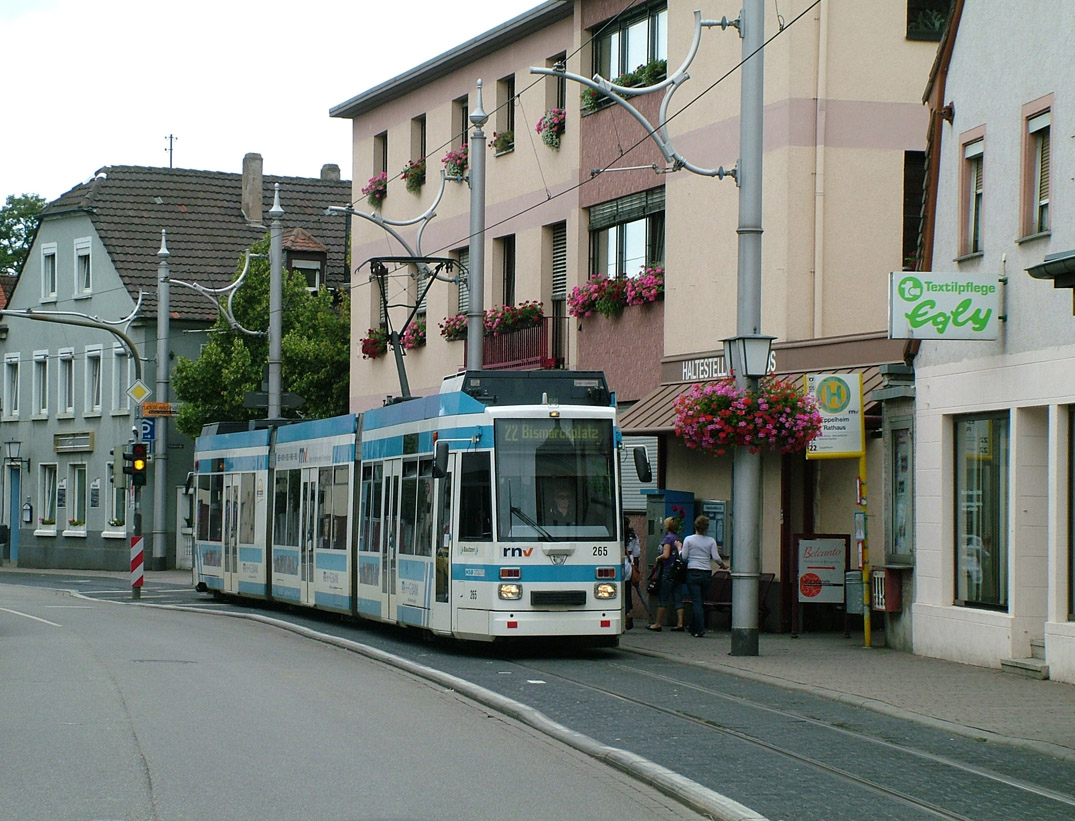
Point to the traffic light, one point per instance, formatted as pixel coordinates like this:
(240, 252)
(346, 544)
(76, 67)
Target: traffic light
(135, 464)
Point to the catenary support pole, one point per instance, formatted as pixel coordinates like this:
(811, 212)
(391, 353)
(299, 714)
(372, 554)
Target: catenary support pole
(747, 467)
(160, 446)
(476, 281)
(276, 299)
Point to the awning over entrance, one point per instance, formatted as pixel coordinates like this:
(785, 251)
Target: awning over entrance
(655, 413)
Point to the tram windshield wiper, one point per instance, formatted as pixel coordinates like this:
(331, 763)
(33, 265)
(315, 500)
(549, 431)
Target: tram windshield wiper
(531, 522)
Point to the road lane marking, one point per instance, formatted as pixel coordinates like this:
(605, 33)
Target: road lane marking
(28, 616)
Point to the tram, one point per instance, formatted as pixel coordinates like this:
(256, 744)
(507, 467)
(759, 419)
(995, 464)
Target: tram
(488, 511)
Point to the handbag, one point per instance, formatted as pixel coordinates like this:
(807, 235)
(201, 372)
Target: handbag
(653, 586)
(678, 571)
(636, 575)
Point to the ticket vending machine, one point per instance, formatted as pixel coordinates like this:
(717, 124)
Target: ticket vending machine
(660, 504)
(716, 510)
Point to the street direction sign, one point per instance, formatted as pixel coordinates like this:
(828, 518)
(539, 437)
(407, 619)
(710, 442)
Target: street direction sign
(139, 391)
(159, 409)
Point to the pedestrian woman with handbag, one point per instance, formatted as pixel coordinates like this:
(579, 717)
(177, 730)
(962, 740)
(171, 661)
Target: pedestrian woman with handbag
(671, 590)
(698, 549)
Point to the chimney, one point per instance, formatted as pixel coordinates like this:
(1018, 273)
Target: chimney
(330, 172)
(252, 188)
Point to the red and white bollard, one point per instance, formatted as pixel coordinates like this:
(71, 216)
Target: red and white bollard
(137, 567)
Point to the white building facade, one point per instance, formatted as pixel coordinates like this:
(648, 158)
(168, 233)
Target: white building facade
(993, 425)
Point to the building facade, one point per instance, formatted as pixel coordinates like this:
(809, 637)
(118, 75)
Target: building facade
(993, 418)
(67, 413)
(843, 155)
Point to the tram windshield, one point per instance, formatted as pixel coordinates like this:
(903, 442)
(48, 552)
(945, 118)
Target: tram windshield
(555, 479)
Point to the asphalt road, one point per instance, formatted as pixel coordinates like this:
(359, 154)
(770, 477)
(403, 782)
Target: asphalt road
(141, 713)
(699, 734)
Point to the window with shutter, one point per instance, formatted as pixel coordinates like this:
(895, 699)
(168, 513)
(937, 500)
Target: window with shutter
(559, 261)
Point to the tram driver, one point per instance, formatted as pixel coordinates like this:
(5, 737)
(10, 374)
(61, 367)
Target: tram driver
(561, 511)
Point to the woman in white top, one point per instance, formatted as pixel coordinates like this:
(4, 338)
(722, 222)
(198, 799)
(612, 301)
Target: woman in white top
(698, 549)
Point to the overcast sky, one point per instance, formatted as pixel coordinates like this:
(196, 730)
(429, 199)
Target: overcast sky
(104, 82)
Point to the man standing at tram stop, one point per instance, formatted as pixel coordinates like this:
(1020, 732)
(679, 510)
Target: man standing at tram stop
(698, 549)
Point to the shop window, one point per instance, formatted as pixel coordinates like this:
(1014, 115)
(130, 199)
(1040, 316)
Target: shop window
(902, 490)
(981, 499)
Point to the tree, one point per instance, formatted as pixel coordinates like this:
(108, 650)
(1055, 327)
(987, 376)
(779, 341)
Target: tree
(18, 221)
(315, 346)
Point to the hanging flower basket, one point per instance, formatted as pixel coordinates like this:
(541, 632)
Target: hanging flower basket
(454, 328)
(502, 142)
(415, 335)
(503, 319)
(455, 162)
(414, 175)
(551, 127)
(376, 190)
(375, 343)
(717, 416)
(609, 297)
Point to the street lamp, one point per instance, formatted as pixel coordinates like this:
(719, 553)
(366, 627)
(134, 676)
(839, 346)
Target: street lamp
(12, 449)
(748, 356)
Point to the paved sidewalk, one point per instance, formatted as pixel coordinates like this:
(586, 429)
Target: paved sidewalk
(975, 701)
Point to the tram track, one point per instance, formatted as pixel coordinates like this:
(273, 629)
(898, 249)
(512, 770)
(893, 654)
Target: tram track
(902, 797)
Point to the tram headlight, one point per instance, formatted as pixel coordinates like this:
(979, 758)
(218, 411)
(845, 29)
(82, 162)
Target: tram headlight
(604, 590)
(510, 592)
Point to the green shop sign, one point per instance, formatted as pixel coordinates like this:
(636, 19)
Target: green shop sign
(929, 305)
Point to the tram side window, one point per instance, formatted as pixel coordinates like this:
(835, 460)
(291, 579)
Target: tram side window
(203, 507)
(340, 497)
(324, 508)
(475, 498)
(424, 539)
(246, 508)
(372, 487)
(216, 507)
(286, 509)
(408, 507)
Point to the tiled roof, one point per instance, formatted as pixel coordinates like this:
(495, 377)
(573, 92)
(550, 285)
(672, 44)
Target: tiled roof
(207, 231)
(299, 239)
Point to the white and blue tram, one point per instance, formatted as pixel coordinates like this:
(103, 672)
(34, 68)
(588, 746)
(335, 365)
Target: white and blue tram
(490, 510)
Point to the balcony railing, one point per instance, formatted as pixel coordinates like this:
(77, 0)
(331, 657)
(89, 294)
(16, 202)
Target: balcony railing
(541, 346)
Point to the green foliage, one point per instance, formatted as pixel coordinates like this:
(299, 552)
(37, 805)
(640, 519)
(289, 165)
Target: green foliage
(314, 346)
(18, 221)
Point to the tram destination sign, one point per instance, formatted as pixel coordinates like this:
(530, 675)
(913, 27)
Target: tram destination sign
(931, 305)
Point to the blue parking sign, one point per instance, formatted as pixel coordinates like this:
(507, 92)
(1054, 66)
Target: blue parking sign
(149, 430)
